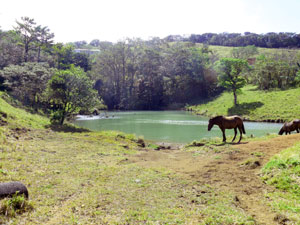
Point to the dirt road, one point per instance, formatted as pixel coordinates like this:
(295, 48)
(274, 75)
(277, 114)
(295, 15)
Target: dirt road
(236, 170)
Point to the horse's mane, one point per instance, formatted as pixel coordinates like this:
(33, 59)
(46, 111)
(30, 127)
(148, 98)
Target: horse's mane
(216, 117)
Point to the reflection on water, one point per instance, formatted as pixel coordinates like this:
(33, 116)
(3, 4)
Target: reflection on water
(168, 126)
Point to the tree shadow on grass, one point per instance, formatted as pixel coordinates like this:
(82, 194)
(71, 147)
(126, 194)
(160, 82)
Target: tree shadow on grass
(244, 108)
(67, 128)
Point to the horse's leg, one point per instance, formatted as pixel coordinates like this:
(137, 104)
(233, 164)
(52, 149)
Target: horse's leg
(235, 131)
(240, 134)
(297, 130)
(224, 137)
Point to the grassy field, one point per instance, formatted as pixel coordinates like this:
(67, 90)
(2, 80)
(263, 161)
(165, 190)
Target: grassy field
(224, 51)
(82, 177)
(75, 176)
(255, 105)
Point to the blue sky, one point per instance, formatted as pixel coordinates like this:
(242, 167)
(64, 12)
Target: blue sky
(112, 20)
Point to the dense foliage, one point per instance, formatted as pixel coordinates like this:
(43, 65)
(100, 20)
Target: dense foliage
(276, 71)
(142, 75)
(26, 82)
(69, 91)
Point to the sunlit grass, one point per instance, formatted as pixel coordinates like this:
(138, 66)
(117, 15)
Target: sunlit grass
(20, 118)
(255, 105)
(225, 51)
(82, 177)
(283, 172)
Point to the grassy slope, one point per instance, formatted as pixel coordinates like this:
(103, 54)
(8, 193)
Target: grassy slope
(283, 172)
(255, 105)
(224, 51)
(19, 118)
(84, 178)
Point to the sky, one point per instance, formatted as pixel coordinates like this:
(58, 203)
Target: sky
(114, 20)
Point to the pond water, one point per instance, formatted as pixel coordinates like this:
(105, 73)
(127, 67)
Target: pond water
(167, 126)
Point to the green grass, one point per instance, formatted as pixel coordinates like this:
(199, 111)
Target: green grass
(255, 104)
(17, 204)
(283, 172)
(224, 51)
(76, 176)
(85, 178)
(20, 118)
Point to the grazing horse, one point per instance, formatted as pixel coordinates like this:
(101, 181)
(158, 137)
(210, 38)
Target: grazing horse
(289, 127)
(230, 122)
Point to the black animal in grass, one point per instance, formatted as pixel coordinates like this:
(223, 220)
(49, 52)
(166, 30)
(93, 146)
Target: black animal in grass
(287, 128)
(9, 189)
(228, 122)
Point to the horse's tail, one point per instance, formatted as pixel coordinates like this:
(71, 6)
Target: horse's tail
(243, 128)
(281, 131)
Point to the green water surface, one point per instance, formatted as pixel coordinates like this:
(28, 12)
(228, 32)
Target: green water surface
(166, 126)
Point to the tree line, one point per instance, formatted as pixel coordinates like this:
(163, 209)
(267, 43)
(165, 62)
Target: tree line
(132, 74)
(268, 40)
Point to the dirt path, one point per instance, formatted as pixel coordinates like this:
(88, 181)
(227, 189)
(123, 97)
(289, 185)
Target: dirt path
(227, 171)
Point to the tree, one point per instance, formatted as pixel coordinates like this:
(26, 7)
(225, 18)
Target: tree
(10, 52)
(27, 81)
(115, 69)
(230, 74)
(95, 43)
(184, 71)
(27, 30)
(79, 44)
(69, 91)
(33, 38)
(275, 71)
(150, 85)
(44, 39)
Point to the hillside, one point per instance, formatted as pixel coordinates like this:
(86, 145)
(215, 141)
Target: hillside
(15, 117)
(224, 51)
(255, 105)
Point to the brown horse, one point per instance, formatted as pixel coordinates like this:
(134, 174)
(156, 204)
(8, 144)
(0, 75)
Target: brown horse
(230, 122)
(289, 127)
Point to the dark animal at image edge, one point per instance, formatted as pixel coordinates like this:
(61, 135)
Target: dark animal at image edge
(9, 189)
(287, 128)
(230, 122)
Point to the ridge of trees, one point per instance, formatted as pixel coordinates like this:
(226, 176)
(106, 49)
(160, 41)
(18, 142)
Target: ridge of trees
(267, 40)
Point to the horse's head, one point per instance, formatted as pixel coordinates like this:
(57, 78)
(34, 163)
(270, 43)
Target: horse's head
(210, 124)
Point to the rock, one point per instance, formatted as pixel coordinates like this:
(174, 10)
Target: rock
(141, 143)
(3, 114)
(95, 112)
(281, 219)
(254, 164)
(11, 188)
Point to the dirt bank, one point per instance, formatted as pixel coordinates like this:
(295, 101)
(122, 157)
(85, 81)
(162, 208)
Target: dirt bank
(236, 169)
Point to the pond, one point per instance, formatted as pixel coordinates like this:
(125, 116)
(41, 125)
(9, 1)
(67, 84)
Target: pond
(166, 126)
